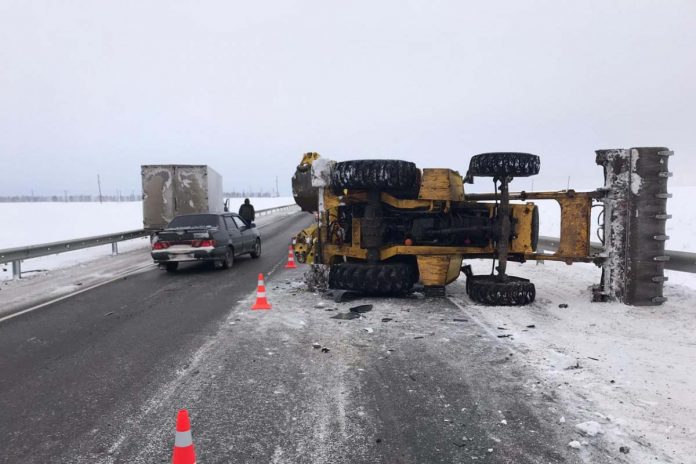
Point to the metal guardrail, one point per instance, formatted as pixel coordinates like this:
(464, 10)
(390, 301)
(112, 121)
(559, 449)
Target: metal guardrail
(681, 261)
(262, 212)
(19, 254)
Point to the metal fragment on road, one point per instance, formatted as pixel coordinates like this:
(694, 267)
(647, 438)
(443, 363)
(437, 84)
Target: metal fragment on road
(361, 309)
(346, 316)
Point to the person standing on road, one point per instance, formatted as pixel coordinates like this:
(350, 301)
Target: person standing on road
(246, 211)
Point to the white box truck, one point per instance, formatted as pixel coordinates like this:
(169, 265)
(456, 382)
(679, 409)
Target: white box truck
(173, 189)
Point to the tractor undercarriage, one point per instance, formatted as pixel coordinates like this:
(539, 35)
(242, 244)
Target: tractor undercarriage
(385, 225)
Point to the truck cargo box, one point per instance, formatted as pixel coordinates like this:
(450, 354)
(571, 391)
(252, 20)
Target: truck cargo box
(173, 189)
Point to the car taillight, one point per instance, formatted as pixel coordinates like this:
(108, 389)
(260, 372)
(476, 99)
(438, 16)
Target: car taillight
(203, 243)
(160, 245)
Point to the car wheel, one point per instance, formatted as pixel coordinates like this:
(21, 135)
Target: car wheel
(171, 267)
(228, 262)
(257, 249)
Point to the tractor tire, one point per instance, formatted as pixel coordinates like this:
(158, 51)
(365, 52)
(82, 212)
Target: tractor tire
(501, 165)
(400, 177)
(490, 291)
(383, 279)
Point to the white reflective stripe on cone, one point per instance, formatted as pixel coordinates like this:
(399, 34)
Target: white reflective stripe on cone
(183, 439)
(260, 283)
(261, 294)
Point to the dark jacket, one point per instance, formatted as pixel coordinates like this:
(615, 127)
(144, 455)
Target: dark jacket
(246, 211)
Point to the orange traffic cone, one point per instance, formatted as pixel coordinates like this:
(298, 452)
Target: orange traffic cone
(291, 259)
(261, 301)
(183, 443)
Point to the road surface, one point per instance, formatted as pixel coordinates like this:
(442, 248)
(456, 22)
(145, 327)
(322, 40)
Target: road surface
(100, 376)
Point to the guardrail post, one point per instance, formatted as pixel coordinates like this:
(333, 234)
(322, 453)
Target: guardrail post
(114, 248)
(16, 269)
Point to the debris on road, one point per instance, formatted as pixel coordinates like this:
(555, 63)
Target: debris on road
(561, 420)
(563, 305)
(594, 359)
(589, 428)
(574, 366)
(531, 326)
(316, 345)
(460, 320)
(574, 444)
(325, 350)
(504, 422)
(418, 337)
(624, 449)
(317, 278)
(343, 296)
(386, 319)
(346, 316)
(361, 309)
(368, 330)
(505, 336)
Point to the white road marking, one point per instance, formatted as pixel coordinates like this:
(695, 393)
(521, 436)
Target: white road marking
(70, 295)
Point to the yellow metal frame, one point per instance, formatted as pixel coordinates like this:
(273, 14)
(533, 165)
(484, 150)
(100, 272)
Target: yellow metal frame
(439, 190)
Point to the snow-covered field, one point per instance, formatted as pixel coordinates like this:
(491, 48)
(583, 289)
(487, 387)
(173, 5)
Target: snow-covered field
(23, 224)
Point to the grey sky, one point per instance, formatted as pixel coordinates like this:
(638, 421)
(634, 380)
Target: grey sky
(91, 87)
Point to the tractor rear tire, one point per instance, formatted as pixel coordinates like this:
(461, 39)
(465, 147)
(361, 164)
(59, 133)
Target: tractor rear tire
(382, 279)
(491, 291)
(501, 165)
(395, 176)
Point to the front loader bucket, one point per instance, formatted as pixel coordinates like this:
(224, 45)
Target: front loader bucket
(635, 213)
(306, 196)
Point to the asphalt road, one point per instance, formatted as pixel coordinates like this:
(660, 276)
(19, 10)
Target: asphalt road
(98, 378)
(68, 368)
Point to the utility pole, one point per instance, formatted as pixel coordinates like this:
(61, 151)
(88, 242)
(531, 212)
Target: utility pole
(277, 192)
(99, 185)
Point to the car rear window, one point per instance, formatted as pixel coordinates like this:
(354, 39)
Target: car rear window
(194, 221)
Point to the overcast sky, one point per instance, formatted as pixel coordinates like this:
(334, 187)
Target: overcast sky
(90, 87)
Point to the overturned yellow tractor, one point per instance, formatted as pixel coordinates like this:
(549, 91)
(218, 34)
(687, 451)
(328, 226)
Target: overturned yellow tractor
(385, 225)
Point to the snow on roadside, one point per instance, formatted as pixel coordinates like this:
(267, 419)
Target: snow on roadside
(627, 369)
(24, 224)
